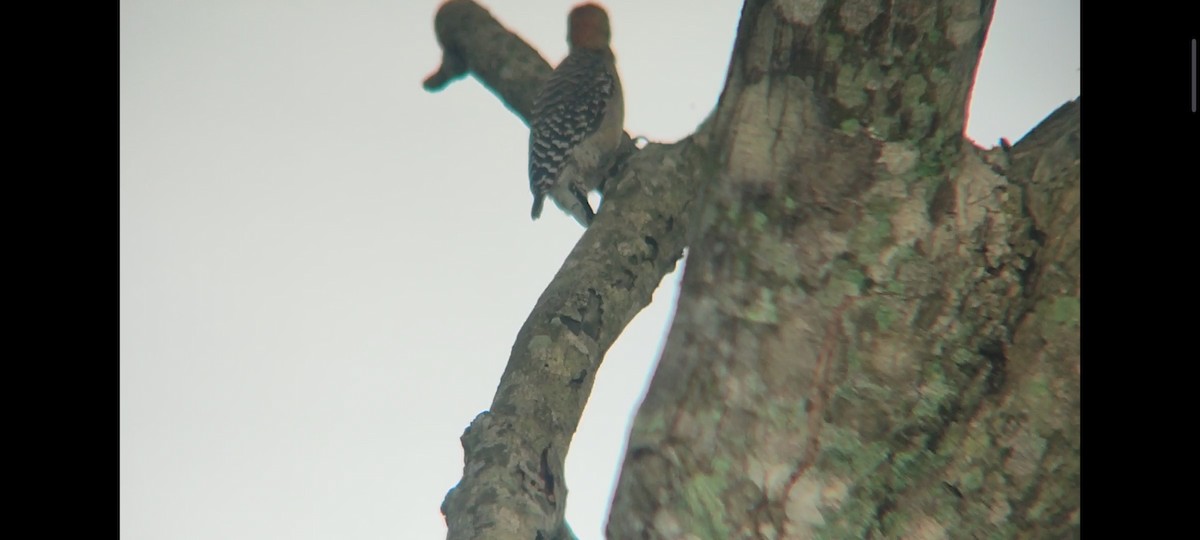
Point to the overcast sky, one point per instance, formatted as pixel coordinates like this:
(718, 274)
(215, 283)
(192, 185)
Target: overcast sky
(323, 267)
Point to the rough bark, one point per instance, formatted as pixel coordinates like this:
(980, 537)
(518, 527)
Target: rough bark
(878, 331)
(513, 485)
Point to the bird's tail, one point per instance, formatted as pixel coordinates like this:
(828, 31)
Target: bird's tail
(537, 206)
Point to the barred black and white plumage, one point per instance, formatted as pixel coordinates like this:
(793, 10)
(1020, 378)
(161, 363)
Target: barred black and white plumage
(577, 120)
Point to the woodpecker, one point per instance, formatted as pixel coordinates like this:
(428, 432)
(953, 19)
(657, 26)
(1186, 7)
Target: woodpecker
(578, 119)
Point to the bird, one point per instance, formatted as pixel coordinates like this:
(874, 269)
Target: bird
(578, 118)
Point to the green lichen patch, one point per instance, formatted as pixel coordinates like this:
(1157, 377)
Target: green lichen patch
(763, 309)
(850, 126)
(702, 501)
(1065, 310)
(885, 316)
(870, 237)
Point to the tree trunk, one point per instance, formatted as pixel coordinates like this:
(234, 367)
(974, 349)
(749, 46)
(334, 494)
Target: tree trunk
(878, 332)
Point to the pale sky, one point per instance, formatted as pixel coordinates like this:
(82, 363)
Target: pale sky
(324, 267)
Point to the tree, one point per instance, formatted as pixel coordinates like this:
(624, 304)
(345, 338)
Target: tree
(878, 330)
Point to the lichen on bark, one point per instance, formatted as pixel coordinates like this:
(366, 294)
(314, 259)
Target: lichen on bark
(913, 371)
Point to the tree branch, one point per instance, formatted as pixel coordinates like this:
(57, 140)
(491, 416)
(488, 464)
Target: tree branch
(474, 42)
(512, 485)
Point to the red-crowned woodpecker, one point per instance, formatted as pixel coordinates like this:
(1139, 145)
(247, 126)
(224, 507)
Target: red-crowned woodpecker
(578, 119)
